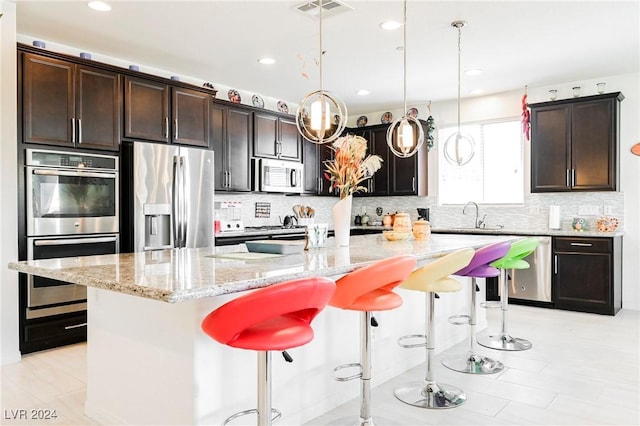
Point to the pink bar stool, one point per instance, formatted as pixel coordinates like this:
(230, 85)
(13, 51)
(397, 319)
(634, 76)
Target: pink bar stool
(431, 279)
(367, 289)
(479, 267)
(273, 318)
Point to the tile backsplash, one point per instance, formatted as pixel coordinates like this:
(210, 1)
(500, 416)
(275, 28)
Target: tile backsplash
(532, 215)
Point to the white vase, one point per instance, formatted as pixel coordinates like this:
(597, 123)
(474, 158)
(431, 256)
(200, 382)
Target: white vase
(342, 221)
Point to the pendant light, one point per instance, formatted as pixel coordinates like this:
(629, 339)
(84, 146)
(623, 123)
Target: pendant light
(459, 147)
(321, 116)
(405, 135)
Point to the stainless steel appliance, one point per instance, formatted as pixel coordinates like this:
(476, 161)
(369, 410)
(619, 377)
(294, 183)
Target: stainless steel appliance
(71, 210)
(230, 216)
(279, 176)
(71, 193)
(533, 283)
(48, 297)
(167, 195)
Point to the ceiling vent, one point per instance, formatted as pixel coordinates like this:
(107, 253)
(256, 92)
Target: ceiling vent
(330, 8)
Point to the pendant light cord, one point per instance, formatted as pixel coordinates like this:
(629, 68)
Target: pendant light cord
(404, 51)
(459, 38)
(321, 53)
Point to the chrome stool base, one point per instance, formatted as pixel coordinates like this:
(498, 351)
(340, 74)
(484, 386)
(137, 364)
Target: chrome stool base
(276, 414)
(504, 342)
(473, 363)
(430, 395)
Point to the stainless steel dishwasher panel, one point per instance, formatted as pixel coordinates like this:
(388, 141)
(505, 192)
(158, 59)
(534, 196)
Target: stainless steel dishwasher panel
(533, 283)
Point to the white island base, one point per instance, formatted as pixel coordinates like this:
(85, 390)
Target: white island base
(149, 363)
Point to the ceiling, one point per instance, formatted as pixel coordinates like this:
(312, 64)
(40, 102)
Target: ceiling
(515, 43)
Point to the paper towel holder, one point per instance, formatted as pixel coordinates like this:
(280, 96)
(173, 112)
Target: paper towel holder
(554, 217)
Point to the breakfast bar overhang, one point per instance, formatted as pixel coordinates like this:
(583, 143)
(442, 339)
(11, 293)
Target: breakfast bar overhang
(148, 362)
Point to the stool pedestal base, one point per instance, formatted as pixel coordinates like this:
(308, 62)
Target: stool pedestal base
(504, 342)
(473, 363)
(430, 395)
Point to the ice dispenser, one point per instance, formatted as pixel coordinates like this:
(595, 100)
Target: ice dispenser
(157, 226)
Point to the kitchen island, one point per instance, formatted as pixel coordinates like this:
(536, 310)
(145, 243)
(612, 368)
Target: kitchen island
(148, 362)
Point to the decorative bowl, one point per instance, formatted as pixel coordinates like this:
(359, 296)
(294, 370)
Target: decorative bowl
(396, 236)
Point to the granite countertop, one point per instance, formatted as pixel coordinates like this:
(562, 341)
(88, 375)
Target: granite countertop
(184, 274)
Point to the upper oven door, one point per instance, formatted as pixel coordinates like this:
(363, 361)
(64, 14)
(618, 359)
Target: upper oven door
(67, 202)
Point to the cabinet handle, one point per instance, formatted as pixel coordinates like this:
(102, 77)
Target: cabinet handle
(573, 177)
(555, 264)
(568, 178)
(320, 185)
(228, 178)
(69, 327)
(413, 184)
(79, 130)
(73, 130)
(166, 127)
(224, 179)
(175, 128)
(582, 244)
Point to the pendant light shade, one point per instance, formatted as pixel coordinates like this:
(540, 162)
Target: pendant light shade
(321, 116)
(405, 135)
(459, 148)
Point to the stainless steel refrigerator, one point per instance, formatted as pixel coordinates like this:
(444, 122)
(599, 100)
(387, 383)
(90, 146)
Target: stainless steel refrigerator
(167, 196)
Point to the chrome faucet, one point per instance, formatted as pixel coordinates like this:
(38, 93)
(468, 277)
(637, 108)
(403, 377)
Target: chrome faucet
(478, 222)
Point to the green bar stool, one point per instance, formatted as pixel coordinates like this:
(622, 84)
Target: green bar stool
(514, 259)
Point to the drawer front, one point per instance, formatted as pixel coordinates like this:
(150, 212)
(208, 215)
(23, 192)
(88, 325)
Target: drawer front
(584, 245)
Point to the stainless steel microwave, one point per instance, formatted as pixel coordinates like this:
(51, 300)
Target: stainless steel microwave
(279, 176)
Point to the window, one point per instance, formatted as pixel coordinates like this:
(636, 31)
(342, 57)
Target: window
(495, 173)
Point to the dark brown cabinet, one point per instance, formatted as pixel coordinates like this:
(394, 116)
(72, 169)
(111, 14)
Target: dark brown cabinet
(159, 112)
(276, 136)
(574, 144)
(587, 274)
(231, 131)
(69, 104)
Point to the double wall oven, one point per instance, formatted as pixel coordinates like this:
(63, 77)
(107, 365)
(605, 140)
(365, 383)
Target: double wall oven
(71, 210)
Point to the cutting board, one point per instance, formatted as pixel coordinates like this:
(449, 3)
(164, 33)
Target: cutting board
(246, 256)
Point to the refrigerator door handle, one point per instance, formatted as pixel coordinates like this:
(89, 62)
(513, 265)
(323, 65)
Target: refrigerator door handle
(175, 203)
(185, 201)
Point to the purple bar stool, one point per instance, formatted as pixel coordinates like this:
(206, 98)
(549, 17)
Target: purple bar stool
(479, 267)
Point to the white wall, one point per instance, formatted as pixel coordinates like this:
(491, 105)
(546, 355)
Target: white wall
(8, 186)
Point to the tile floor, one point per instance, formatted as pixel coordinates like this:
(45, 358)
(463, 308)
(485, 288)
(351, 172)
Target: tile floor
(583, 369)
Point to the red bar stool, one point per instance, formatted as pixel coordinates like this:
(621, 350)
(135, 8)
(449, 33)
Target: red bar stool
(273, 318)
(367, 289)
(431, 279)
(479, 267)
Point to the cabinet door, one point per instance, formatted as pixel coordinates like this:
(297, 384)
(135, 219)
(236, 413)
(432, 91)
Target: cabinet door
(98, 108)
(550, 149)
(583, 275)
(239, 134)
(190, 117)
(378, 146)
(48, 101)
(146, 109)
(311, 169)
(217, 135)
(289, 138)
(593, 145)
(324, 153)
(265, 136)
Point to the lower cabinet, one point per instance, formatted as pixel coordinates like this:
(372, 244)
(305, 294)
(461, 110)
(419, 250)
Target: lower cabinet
(587, 274)
(50, 332)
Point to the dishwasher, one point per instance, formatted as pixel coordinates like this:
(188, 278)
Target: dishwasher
(533, 284)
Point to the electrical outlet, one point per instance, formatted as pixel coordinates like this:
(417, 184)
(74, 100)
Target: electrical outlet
(588, 210)
(608, 210)
(534, 210)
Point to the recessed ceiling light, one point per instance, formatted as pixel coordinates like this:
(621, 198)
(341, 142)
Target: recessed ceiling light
(390, 25)
(472, 72)
(362, 92)
(99, 6)
(267, 61)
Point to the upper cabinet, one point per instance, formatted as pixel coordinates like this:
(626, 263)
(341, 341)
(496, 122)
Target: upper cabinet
(68, 104)
(574, 144)
(231, 133)
(159, 112)
(276, 136)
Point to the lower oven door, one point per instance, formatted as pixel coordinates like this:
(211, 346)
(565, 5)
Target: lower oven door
(51, 297)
